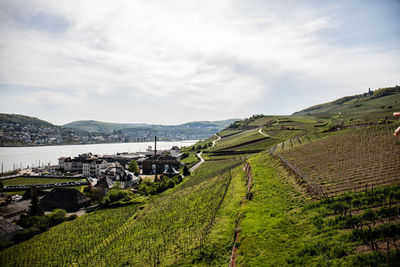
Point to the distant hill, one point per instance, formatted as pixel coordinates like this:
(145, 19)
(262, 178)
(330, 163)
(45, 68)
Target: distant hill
(191, 130)
(20, 130)
(23, 120)
(370, 107)
(380, 102)
(195, 130)
(92, 126)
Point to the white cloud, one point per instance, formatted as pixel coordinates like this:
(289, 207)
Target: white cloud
(215, 53)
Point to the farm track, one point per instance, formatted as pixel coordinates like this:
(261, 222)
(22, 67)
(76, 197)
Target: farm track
(199, 155)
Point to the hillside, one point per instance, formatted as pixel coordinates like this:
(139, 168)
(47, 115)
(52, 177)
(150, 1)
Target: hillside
(23, 120)
(297, 190)
(92, 126)
(381, 102)
(246, 199)
(20, 130)
(190, 130)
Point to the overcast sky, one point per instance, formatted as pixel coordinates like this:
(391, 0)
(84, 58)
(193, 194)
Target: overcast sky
(170, 61)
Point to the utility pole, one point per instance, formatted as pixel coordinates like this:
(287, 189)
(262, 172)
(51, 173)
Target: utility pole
(155, 145)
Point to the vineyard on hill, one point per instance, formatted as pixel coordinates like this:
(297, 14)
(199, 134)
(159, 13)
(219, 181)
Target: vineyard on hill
(260, 215)
(171, 227)
(67, 242)
(350, 160)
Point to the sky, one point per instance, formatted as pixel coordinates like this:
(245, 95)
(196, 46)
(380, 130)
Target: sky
(175, 61)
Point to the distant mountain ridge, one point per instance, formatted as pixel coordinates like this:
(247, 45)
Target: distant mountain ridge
(22, 120)
(109, 127)
(21, 130)
(93, 126)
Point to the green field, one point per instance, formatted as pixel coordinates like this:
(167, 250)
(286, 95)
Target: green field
(191, 160)
(37, 180)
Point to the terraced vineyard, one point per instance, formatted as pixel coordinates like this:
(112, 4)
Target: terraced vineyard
(263, 215)
(350, 160)
(66, 243)
(285, 134)
(176, 223)
(226, 133)
(240, 139)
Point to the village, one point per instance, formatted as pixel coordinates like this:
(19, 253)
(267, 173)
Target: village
(84, 182)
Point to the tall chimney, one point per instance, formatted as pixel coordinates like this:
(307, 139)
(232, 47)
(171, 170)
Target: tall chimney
(155, 145)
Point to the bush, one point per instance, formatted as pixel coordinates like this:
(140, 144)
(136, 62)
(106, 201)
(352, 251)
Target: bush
(117, 196)
(57, 216)
(41, 222)
(133, 167)
(72, 217)
(185, 171)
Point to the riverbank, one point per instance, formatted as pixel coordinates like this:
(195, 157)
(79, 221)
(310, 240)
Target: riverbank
(12, 158)
(74, 143)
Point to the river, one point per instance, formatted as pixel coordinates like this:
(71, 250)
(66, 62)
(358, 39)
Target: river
(21, 157)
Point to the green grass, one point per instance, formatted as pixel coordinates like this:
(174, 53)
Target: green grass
(39, 180)
(358, 110)
(282, 227)
(269, 230)
(229, 132)
(191, 160)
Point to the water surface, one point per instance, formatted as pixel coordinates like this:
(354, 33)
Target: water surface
(17, 157)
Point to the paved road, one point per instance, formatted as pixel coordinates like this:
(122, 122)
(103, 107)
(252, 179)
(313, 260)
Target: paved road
(198, 163)
(213, 142)
(261, 132)
(201, 158)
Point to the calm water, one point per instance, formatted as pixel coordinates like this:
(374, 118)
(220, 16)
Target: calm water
(16, 157)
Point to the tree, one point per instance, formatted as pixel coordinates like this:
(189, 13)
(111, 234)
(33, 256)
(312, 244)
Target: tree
(186, 171)
(34, 208)
(133, 167)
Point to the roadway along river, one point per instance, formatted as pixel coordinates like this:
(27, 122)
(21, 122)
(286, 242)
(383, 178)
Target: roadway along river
(16, 157)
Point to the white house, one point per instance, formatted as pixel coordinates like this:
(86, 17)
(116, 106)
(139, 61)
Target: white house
(94, 166)
(175, 151)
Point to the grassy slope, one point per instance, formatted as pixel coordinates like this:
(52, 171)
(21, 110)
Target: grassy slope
(119, 232)
(67, 242)
(191, 160)
(376, 106)
(269, 231)
(276, 229)
(220, 240)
